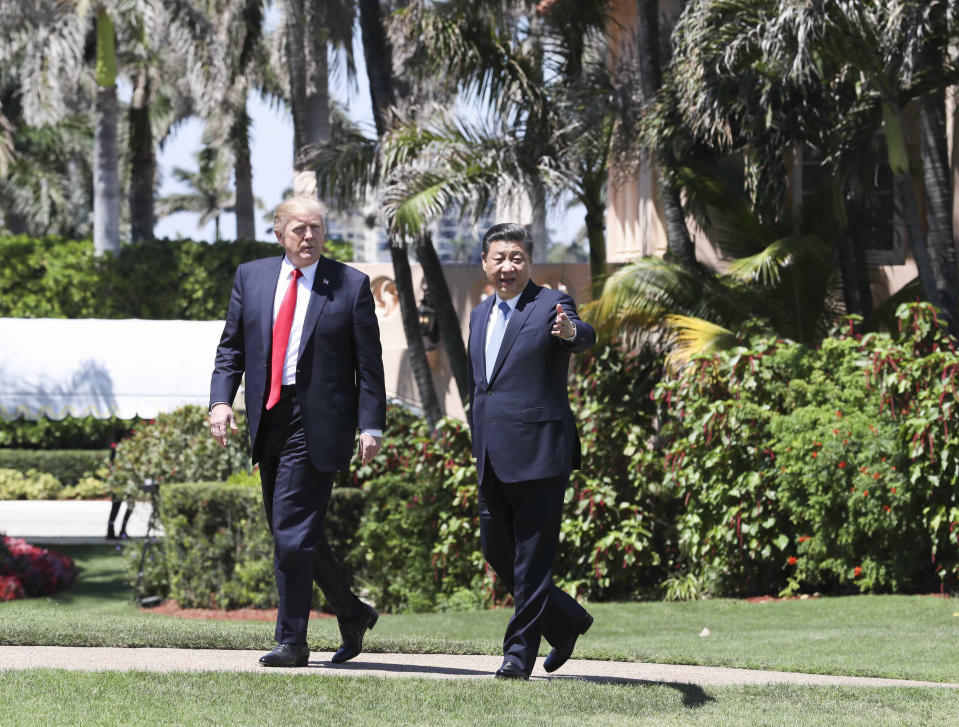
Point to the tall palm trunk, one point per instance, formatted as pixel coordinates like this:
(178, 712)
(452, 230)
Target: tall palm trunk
(142, 160)
(935, 169)
(106, 179)
(678, 239)
(243, 174)
(379, 67)
(592, 199)
(906, 197)
(309, 94)
(447, 320)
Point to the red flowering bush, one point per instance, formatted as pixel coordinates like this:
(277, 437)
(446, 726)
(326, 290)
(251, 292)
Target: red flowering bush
(26, 570)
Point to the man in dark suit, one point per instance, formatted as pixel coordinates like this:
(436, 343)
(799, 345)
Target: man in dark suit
(525, 443)
(302, 328)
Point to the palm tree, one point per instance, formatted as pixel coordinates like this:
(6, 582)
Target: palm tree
(211, 195)
(764, 74)
(548, 93)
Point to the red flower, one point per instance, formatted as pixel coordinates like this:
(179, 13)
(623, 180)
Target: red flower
(838, 413)
(836, 432)
(893, 490)
(876, 476)
(804, 538)
(887, 508)
(865, 493)
(815, 454)
(791, 560)
(856, 572)
(842, 465)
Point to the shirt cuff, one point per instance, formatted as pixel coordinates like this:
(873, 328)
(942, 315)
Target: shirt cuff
(378, 433)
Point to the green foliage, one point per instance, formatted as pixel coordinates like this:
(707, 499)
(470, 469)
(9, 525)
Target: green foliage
(30, 485)
(417, 545)
(68, 466)
(68, 433)
(58, 278)
(177, 447)
(88, 488)
(816, 470)
(615, 535)
(217, 548)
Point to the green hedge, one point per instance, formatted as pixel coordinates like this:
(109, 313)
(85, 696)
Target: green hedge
(217, 551)
(161, 279)
(67, 465)
(67, 433)
(34, 485)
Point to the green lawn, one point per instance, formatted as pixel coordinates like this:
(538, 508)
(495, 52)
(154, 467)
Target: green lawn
(897, 636)
(914, 637)
(259, 699)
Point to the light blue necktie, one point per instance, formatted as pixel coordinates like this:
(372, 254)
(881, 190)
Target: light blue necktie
(496, 337)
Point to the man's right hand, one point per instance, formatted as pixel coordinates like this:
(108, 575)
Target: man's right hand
(221, 421)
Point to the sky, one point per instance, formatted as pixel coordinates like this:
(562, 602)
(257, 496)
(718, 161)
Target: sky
(271, 149)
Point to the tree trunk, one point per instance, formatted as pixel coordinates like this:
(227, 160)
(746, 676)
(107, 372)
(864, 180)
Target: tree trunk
(142, 161)
(451, 332)
(678, 239)
(905, 193)
(592, 200)
(243, 175)
(935, 170)
(379, 68)
(106, 179)
(414, 341)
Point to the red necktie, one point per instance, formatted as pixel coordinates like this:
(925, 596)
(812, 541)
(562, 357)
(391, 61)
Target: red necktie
(281, 337)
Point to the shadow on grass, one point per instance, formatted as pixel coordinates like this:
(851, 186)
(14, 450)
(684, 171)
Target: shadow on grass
(101, 574)
(693, 694)
(403, 668)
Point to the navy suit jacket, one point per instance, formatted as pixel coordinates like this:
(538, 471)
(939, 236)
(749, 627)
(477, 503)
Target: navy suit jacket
(339, 374)
(519, 412)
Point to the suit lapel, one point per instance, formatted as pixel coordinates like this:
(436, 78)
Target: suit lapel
(525, 306)
(319, 294)
(266, 295)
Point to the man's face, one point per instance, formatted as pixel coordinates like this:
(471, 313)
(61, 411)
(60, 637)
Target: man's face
(303, 238)
(507, 265)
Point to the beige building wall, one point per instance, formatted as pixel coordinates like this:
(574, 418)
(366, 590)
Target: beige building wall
(468, 286)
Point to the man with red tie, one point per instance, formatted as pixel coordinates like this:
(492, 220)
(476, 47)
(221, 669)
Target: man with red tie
(525, 443)
(302, 328)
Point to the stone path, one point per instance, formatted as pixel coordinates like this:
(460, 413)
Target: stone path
(428, 666)
(73, 522)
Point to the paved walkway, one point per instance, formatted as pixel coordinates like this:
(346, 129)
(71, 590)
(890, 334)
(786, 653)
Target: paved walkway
(46, 522)
(428, 666)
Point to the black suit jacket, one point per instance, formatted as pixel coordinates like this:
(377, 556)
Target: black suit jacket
(519, 412)
(339, 374)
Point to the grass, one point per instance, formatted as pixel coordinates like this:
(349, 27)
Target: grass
(124, 698)
(914, 637)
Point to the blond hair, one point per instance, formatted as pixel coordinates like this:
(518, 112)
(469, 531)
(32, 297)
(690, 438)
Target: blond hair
(295, 206)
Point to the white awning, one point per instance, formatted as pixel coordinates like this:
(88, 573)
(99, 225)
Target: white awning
(58, 367)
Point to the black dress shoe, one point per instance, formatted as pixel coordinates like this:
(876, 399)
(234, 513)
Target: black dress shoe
(563, 650)
(287, 655)
(509, 670)
(352, 633)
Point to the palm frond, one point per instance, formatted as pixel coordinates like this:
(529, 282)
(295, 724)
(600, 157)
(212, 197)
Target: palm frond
(765, 267)
(694, 336)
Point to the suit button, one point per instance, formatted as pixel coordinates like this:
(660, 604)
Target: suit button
(489, 392)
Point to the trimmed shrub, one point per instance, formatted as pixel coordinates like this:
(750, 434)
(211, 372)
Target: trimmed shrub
(67, 465)
(30, 485)
(67, 433)
(26, 570)
(176, 447)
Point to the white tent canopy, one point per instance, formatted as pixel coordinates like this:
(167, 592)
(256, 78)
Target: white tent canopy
(56, 368)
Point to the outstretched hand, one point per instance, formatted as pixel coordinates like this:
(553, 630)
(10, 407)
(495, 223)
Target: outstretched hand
(563, 327)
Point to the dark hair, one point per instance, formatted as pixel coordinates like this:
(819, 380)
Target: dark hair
(507, 232)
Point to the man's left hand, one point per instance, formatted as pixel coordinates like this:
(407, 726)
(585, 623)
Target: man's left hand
(369, 447)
